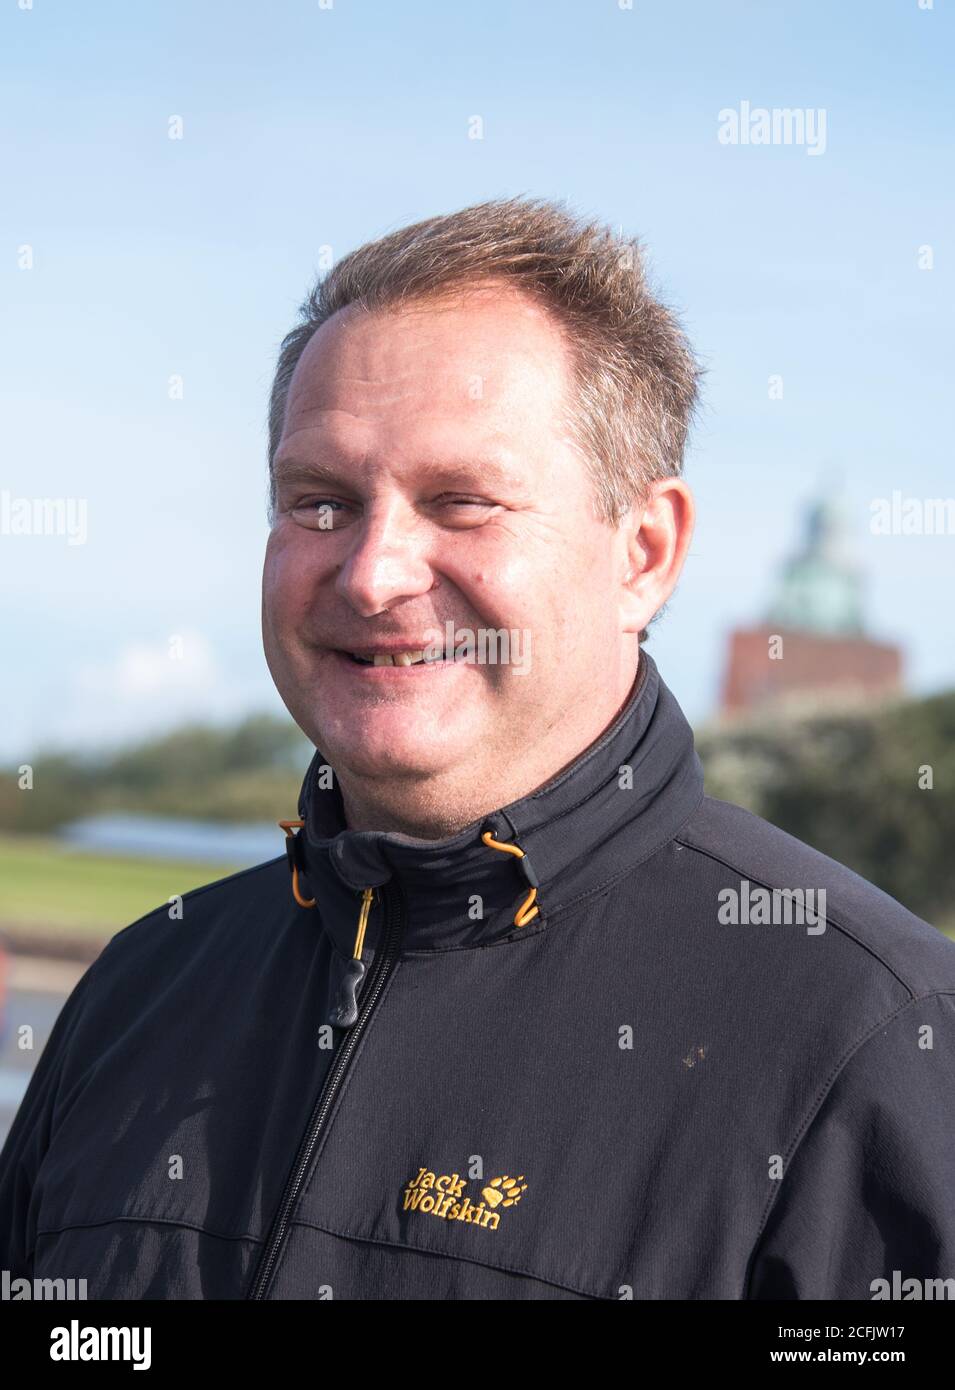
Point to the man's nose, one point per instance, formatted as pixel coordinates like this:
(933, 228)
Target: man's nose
(387, 560)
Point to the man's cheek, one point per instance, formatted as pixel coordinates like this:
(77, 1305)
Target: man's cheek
(285, 596)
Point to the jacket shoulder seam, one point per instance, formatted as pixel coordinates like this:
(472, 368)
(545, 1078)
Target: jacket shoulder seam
(816, 1105)
(832, 921)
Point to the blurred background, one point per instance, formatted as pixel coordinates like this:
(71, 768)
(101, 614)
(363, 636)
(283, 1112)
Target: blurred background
(177, 175)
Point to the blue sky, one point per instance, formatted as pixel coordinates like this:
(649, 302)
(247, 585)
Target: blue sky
(307, 127)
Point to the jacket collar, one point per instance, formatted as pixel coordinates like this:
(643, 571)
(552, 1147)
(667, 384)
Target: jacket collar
(579, 831)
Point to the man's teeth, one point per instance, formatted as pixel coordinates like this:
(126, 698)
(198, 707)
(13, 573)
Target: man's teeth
(398, 659)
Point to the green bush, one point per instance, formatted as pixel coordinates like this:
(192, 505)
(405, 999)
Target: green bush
(847, 783)
(250, 772)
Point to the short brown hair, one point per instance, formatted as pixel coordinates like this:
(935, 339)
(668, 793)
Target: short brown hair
(636, 377)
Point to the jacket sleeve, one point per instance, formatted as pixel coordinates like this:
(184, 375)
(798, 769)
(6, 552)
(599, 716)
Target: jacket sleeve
(869, 1193)
(29, 1137)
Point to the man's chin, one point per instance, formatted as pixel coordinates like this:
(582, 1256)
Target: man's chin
(391, 746)
(405, 759)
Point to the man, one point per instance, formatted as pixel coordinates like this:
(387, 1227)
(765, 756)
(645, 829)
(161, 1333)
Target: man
(505, 1022)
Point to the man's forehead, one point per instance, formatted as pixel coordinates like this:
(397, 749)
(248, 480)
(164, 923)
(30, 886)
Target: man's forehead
(321, 442)
(470, 351)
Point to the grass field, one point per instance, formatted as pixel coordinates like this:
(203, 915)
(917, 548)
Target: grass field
(52, 890)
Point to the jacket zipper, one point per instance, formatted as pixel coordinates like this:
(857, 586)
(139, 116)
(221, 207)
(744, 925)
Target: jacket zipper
(381, 969)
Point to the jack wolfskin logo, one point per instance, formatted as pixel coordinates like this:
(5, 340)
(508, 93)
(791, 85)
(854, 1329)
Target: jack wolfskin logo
(444, 1196)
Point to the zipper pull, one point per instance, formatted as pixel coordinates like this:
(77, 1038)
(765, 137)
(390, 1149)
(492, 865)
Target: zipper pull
(344, 1012)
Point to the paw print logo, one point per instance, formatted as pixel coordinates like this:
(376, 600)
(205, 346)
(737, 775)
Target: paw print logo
(504, 1191)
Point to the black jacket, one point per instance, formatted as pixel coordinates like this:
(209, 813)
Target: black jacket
(628, 1095)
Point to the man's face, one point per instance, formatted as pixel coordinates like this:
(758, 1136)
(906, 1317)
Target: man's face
(422, 477)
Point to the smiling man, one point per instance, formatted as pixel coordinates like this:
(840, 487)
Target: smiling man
(504, 1022)
(426, 477)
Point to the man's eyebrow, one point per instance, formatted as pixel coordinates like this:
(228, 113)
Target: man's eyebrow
(477, 469)
(290, 469)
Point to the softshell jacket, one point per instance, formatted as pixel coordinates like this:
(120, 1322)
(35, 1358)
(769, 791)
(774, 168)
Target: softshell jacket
(564, 1054)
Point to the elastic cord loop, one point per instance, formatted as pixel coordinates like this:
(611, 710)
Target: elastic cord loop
(288, 826)
(525, 913)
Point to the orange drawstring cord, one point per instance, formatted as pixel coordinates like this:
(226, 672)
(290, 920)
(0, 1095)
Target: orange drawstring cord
(366, 896)
(288, 826)
(522, 916)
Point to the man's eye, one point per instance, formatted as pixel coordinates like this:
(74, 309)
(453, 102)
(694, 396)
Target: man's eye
(462, 512)
(319, 513)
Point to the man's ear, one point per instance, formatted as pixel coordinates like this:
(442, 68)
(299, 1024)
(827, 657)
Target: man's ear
(656, 535)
